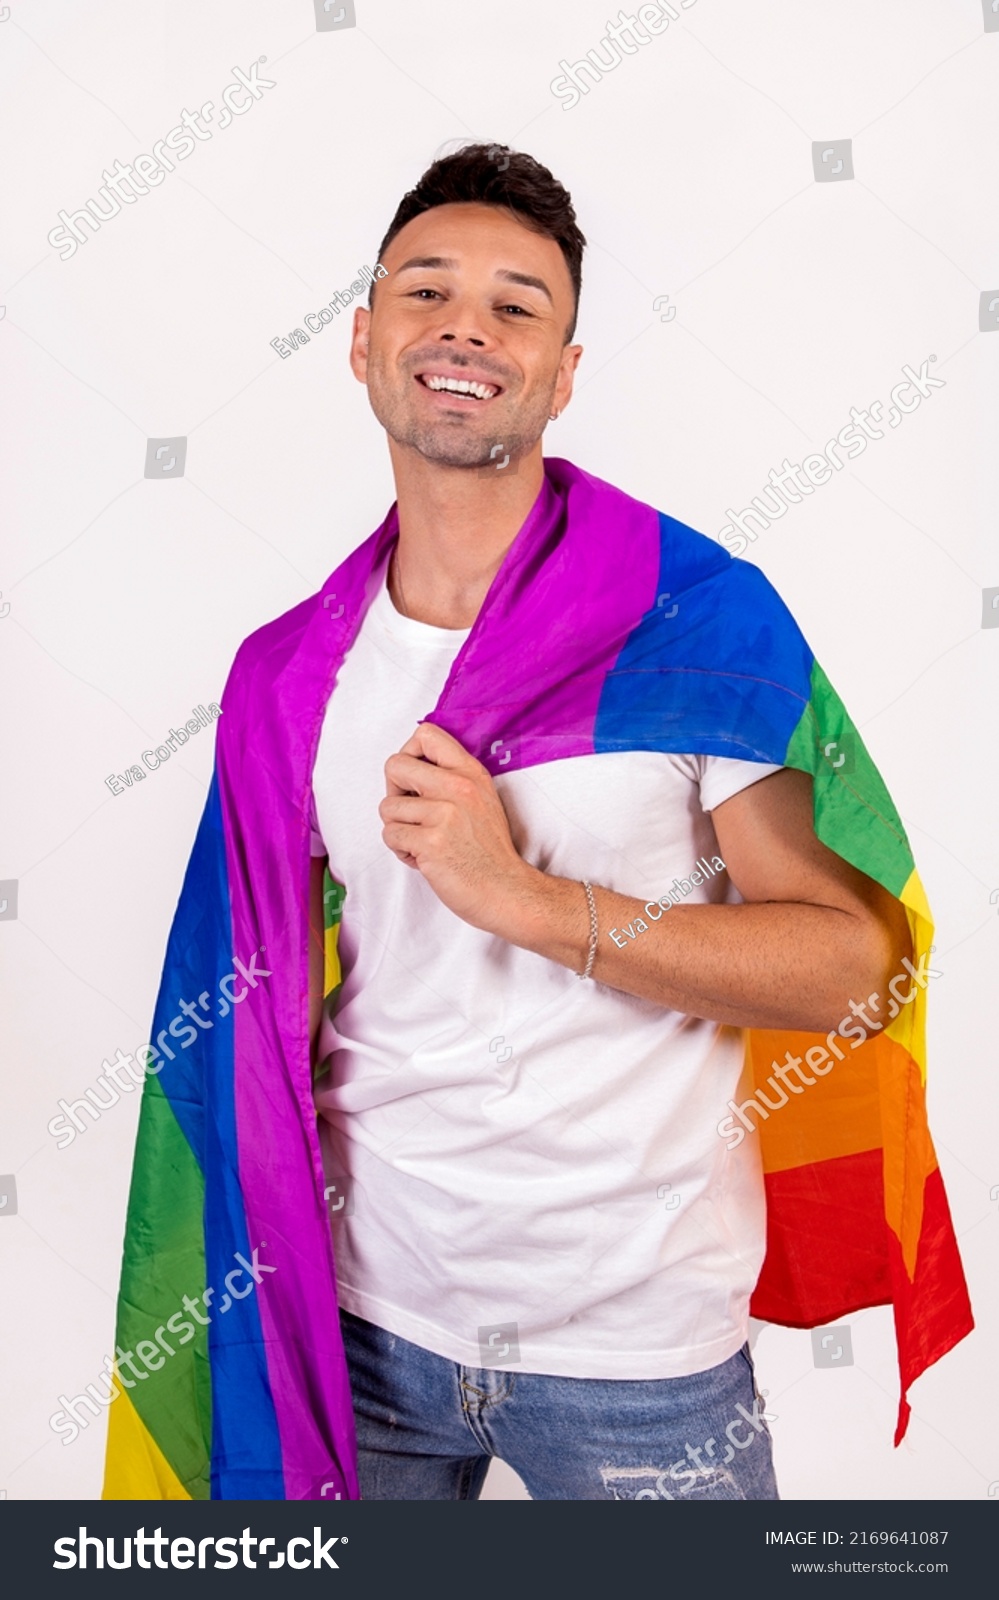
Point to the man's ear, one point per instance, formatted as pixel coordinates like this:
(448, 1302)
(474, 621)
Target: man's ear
(568, 362)
(359, 342)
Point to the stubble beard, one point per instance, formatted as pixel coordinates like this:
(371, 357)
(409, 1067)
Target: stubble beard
(459, 440)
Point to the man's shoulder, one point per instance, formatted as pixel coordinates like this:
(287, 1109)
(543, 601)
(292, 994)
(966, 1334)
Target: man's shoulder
(265, 653)
(689, 556)
(591, 495)
(266, 650)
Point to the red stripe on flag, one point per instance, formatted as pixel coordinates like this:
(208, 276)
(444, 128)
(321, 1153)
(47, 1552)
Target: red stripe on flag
(827, 1256)
(933, 1312)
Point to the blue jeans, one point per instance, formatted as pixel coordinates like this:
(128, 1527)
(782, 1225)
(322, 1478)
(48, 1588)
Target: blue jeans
(427, 1428)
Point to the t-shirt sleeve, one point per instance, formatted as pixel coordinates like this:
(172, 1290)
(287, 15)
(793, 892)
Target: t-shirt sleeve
(720, 778)
(317, 845)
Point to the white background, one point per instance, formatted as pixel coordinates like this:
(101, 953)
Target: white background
(691, 170)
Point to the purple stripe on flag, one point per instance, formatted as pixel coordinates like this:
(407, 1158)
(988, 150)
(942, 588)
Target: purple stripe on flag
(581, 571)
(280, 1168)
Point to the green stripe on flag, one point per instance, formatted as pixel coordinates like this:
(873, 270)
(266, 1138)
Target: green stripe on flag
(164, 1260)
(854, 814)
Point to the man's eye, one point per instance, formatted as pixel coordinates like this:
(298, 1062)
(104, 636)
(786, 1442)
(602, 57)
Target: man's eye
(519, 309)
(417, 292)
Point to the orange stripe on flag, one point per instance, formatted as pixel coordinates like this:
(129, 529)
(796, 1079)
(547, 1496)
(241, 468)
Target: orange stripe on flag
(839, 1114)
(909, 1157)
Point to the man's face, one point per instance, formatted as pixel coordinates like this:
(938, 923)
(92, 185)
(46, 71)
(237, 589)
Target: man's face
(472, 296)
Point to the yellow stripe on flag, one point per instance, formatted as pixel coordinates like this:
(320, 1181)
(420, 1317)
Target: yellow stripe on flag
(331, 955)
(136, 1468)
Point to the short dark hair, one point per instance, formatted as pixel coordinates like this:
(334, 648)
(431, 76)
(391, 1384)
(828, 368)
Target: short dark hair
(495, 175)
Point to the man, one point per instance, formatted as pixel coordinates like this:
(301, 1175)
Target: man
(544, 1248)
(548, 1162)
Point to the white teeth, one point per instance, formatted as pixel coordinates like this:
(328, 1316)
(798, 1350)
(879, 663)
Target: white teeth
(481, 391)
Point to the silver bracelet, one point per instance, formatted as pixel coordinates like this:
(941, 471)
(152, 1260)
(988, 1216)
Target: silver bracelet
(592, 954)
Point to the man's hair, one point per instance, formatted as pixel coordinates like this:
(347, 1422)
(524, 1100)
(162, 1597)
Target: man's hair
(494, 175)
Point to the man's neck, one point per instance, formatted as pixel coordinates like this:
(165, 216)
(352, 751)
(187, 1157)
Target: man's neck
(455, 526)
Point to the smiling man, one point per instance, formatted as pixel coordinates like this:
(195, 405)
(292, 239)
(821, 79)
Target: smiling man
(503, 1130)
(504, 748)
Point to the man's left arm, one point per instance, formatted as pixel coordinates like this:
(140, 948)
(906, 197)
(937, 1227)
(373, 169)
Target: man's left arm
(812, 936)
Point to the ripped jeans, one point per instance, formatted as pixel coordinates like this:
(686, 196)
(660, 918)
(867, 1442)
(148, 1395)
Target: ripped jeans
(427, 1428)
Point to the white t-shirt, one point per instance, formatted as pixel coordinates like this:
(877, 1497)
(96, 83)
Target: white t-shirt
(521, 1147)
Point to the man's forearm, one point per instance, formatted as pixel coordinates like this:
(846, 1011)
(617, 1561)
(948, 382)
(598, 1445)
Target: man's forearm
(770, 965)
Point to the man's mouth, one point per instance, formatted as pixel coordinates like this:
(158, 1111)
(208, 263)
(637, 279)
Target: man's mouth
(463, 388)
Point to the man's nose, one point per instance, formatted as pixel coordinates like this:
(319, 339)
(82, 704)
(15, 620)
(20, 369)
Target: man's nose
(468, 338)
(462, 322)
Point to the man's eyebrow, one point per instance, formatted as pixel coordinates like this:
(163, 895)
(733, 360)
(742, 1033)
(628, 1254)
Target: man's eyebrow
(526, 281)
(446, 264)
(440, 263)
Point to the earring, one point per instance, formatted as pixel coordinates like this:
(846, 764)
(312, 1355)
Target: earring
(553, 417)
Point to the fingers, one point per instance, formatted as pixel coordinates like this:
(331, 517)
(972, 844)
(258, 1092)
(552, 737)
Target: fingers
(428, 759)
(437, 746)
(409, 822)
(415, 810)
(408, 775)
(404, 839)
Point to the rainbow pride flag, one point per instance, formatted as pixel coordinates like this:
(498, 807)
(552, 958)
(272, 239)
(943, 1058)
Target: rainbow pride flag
(230, 1365)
